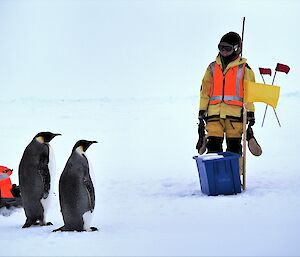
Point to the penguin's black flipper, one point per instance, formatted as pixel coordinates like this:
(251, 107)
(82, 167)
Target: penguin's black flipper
(91, 193)
(43, 171)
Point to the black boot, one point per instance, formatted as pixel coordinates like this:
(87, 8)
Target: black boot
(234, 145)
(214, 144)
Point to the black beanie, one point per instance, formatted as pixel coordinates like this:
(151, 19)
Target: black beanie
(232, 38)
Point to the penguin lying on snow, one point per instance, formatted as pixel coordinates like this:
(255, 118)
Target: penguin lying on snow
(36, 175)
(76, 191)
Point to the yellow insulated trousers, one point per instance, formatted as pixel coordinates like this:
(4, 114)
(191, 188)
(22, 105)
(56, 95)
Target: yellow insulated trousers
(231, 128)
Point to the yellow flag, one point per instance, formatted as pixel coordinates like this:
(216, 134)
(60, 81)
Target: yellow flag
(256, 92)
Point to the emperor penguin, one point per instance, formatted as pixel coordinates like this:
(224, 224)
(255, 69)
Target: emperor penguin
(36, 178)
(76, 190)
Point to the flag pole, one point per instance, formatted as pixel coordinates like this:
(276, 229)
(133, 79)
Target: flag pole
(262, 78)
(277, 117)
(273, 107)
(263, 121)
(274, 77)
(266, 105)
(244, 122)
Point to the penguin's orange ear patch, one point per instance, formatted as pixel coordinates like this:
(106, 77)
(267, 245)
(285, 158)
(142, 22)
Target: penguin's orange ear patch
(79, 149)
(40, 139)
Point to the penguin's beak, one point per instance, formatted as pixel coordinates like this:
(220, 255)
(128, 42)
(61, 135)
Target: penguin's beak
(88, 144)
(54, 135)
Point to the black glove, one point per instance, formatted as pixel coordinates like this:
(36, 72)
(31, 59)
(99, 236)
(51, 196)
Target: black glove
(202, 114)
(201, 129)
(201, 126)
(250, 118)
(249, 133)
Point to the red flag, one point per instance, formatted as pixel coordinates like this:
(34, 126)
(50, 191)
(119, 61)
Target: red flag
(265, 71)
(283, 68)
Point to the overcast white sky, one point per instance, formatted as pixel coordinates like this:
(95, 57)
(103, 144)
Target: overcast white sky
(82, 49)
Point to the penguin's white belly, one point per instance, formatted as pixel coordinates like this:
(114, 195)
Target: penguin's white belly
(91, 170)
(87, 216)
(87, 220)
(51, 166)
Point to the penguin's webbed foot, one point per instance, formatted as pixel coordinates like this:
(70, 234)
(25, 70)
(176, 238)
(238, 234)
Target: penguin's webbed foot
(48, 224)
(93, 229)
(29, 222)
(26, 225)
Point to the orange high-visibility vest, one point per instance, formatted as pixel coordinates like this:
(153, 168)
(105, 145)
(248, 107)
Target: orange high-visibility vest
(228, 87)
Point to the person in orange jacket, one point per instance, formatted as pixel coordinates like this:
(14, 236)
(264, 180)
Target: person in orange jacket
(221, 98)
(5, 183)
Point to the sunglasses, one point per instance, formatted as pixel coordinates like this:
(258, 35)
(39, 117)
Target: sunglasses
(225, 47)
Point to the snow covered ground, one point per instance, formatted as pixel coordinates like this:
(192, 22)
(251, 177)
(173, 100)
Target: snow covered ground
(148, 198)
(127, 74)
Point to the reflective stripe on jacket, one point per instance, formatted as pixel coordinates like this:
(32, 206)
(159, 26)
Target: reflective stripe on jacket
(228, 87)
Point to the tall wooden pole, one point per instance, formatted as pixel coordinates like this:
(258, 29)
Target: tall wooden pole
(244, 121)
(244, 144)
(242, 37)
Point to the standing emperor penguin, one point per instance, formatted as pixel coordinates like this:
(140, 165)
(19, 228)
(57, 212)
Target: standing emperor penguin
(36, 177)
(76, 190)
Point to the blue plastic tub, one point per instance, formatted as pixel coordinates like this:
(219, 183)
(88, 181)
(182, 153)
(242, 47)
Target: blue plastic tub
(219, 173)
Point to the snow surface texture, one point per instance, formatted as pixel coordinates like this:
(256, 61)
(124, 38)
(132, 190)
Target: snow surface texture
(127, 74)
(148, 198)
